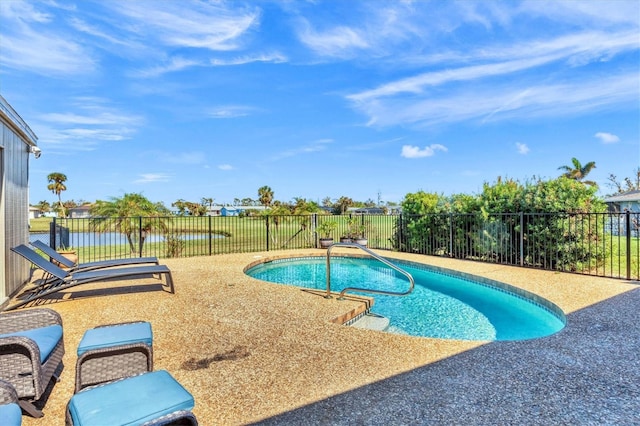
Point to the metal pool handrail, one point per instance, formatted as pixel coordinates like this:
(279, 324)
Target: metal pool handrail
(366, 290)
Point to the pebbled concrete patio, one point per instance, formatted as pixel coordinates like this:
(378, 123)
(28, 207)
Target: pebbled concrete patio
(258, 353)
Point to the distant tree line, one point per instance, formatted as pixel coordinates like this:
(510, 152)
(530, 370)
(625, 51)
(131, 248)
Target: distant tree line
(299, 205)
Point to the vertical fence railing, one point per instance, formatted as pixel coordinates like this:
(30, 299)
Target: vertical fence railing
(600, 244)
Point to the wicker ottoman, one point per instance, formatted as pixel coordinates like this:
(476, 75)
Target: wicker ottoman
(154, 398)
(112, 352)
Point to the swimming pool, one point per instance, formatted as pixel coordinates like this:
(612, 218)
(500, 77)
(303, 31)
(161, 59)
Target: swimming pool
(443, 304)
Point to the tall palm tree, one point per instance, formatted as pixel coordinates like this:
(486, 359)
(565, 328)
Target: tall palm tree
(207, 201)
(56, 185)
(44, 206)
(578, 171)
(265, 195)
(132, 215)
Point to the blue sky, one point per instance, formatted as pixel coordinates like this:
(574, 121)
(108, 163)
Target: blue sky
(364, 99)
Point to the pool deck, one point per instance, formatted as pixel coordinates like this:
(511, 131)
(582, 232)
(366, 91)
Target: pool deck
(258, 353)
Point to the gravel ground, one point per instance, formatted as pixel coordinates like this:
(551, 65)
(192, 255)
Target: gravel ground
(255, 352)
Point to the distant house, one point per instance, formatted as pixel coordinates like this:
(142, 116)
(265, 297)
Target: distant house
(237, 210)
(79, 212)
(365, 210)
(374, 210)
(215, 210)
(34, 212)
(17, 141)
(627, 201)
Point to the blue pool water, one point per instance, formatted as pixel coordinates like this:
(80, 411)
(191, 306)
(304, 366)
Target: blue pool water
(441, 305)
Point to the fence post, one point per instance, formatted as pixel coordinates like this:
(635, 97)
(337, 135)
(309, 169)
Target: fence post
(314, 227)
(521, 238)
(400, 241)
(140, 241)
(267, 225)
(210, 236)
(52, 233)
(451, 234)
(628, 232)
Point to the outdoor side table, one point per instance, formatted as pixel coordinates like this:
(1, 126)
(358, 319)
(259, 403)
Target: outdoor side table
(112, 352)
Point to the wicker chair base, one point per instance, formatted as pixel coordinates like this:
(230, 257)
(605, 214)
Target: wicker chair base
(116, 362)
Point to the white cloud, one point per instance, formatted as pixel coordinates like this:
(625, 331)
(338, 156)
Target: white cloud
(152, 177)
(315, 146)
(607, 137)
(522, 148)
(89, 122)
(194, 157)
(339, 41)
(225, 167)
(276, 58)
(173, 65)
(410, 151)
(487, 102)
(45, 53)
(207, 25)
(230, 111)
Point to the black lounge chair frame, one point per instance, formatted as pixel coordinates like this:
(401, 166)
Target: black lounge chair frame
(57, 279)
(89, 266)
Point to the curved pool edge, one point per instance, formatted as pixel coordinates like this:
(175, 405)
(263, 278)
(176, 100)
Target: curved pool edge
(512, 290)
(499, 285)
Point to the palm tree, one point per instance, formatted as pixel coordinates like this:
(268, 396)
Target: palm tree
(265, 195)
(208, 202)
(578, 171)
(341, 206)
(132, 215)
(56, 185)
(44, 206)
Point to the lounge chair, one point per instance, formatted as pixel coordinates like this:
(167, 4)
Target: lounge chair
(77, 267)
(31, 350)
(57, 279)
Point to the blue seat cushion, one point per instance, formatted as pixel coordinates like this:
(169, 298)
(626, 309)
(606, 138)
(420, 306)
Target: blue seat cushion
(130, 401)
(120, 334)
(45, 337)
(10, 415)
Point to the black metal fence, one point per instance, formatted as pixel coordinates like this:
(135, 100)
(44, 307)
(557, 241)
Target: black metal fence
(599, 244)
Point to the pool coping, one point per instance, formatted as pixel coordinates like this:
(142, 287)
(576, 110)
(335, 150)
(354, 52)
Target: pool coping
(352, 316)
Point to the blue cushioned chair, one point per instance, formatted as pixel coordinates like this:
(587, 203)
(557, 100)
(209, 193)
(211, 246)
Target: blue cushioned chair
(31, 350)
(153, 398)
(10, 413)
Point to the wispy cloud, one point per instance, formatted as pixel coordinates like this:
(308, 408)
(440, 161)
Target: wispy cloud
(410, 151)
(276, 58)
(205, 25)
(315, 146)
(510, 60)
(498, 102)
(172, 65)
(91, 123)
(337, 42)
(607, 138)
(230, 111)
(225, 167)
(522, 148)
(192, 157)
(45, 52)
(153, 177)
